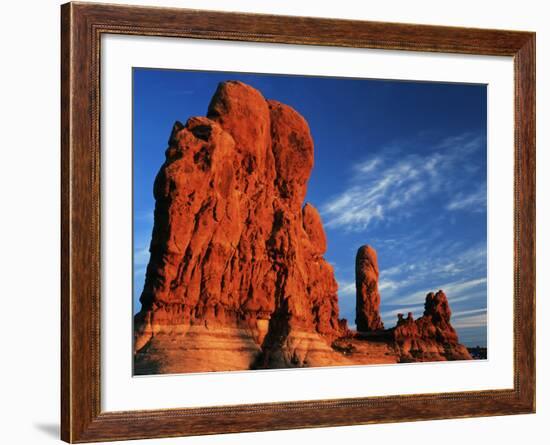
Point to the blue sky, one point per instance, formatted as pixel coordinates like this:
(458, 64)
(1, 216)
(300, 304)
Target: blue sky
(399, 165)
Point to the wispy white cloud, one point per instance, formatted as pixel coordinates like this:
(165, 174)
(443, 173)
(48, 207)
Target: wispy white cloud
(461, 314)
(346, 288)
(461, 319)
(381, 188)
(368, 166)
(465, 141)
(475, 201)
(391, 314)
(387, 284)
(455, 291)
(444, 263)
(368, 201)
(472, 321)
(459, 287)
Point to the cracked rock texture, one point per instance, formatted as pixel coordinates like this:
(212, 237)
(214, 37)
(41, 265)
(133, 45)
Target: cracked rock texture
(233, 245)
(430, 337)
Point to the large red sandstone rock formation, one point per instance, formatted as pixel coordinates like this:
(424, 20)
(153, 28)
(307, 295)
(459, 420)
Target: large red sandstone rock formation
(430, 337)
(367, 305)
(233, 247)
(236, 278)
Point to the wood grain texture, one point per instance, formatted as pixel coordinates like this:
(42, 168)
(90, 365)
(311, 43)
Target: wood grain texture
(81, 29)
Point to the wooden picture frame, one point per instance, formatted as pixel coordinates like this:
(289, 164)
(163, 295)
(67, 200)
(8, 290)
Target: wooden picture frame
(82, 25)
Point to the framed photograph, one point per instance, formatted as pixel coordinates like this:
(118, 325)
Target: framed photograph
(275, 222)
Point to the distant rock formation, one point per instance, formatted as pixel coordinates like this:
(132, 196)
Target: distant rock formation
(430, 337)
(236, 278)
(367, 315)
(235, 258)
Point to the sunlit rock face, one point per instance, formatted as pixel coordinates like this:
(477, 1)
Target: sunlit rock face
(233, 246)
(430, 337)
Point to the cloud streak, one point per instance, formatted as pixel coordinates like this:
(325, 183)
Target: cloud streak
(346, 289)
(472, 321)
(444, 265)
(455, 291)
(475, 202)
(382, 189)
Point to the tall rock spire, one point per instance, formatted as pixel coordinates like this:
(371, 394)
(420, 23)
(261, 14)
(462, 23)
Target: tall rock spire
(367, 315)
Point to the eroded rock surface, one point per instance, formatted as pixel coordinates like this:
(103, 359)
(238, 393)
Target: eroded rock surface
(367, 304)
(430, 337)
(233, 246)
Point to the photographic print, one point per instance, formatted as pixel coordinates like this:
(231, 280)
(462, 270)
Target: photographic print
(249, 199)
(287, 221)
